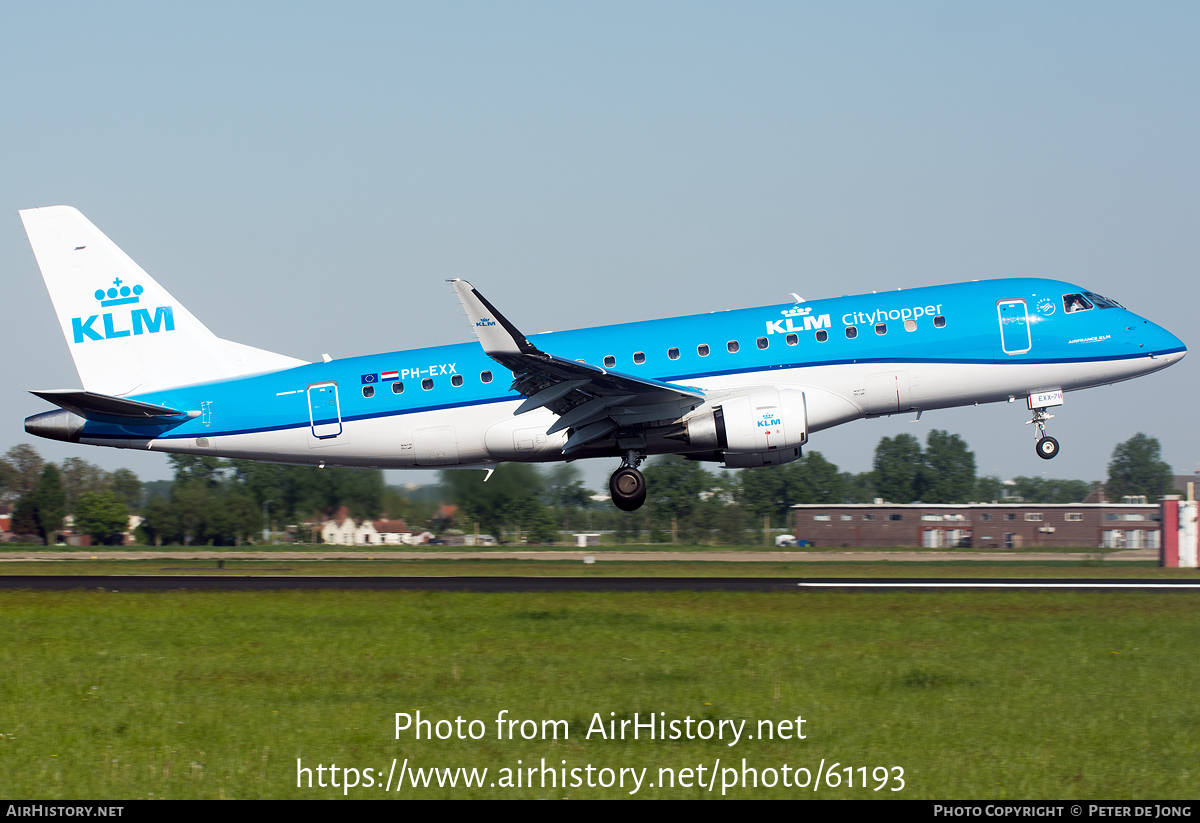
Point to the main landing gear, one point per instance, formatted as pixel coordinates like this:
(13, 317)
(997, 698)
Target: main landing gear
(1046, 447)
(627, 485)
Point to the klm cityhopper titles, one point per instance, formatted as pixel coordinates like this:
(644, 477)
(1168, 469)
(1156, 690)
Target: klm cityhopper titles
(742, 388)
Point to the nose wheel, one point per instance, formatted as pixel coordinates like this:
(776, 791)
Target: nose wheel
(627, 485)
(1047, 447)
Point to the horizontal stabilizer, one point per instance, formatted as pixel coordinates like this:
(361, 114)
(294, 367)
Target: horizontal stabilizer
(91, 405)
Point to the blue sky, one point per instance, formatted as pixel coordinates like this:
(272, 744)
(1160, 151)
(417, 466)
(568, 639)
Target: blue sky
(304, 177)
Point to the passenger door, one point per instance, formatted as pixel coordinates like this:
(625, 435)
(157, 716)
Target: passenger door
(324, 413)
(1014, 326)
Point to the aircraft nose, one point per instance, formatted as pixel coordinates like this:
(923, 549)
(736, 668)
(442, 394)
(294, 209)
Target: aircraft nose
(1164, 343)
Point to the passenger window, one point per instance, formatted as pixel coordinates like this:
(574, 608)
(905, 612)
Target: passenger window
(910, 325)
(673, 354)
(456, 380)
(732, 346)
(939, 322)
(397, 388)
(881, 328)
(822, 336)
(427, 383)
(485, 377)
(639, 357)
(609, 361)
(762, 343)
(1075, 302)
(793, 339)
(852, 332)
(368, 391)
(702, 350)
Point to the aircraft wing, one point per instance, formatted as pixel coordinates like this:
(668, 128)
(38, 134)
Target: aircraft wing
(590, 401)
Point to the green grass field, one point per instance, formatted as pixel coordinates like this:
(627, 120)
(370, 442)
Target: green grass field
(974, 695)
(1084, 567)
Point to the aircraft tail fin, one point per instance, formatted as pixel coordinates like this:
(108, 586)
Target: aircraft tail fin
(126, 333)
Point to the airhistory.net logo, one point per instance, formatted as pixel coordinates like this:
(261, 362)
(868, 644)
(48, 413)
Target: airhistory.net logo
(139, 321)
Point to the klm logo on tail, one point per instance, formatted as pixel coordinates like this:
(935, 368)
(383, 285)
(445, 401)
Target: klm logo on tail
(139, 321)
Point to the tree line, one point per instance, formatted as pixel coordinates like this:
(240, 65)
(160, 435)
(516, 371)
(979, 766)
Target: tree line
(210, 501)
(213, 501)
(688, 503)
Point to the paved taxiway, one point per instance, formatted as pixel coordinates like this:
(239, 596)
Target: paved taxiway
(601, 556)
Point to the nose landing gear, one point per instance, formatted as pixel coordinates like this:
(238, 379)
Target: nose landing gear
(1046, 446)
(627, 485)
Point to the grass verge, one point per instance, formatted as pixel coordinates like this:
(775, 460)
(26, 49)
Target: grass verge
(975, 695)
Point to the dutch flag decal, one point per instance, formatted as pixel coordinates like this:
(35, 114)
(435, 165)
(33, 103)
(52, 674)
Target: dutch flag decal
(390, 375)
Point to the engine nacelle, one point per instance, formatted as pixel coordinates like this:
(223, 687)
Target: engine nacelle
(760, 428)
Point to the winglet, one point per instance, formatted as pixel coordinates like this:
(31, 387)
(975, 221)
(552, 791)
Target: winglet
(495, 333)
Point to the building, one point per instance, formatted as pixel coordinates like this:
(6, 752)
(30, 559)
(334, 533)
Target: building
(979, 525)
(344, 530)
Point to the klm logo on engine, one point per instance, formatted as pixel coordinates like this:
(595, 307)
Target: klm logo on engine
(793, 317)
(769, 421)
(118, 324)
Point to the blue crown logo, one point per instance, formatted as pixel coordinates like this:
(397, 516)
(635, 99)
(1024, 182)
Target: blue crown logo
(118, 295)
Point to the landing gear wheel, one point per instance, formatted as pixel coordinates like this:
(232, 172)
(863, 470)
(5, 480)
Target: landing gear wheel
(1047, 448)
(628, 489)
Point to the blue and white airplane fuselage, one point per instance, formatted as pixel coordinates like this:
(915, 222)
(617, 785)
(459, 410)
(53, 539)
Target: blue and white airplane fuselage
(744, 387)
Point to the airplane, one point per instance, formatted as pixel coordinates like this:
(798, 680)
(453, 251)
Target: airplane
(743, 387)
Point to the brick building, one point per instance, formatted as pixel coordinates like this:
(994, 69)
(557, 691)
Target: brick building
(979, 525)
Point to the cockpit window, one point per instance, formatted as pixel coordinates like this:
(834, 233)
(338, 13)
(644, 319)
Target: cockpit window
(1075, 302)
(1101, 301)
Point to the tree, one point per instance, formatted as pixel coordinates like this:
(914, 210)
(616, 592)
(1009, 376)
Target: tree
(100, 514)
(160, 524)
(860, 488)
(507, 498)
(79, 476)
(1137, 468)
(813, 479)
(128, 488)
(899, 474)
(988, 489)
(731, 522)
(1042, 490)
(28, 464)
(765, 493)
(950, 475)
(10, 481)
(195, 468)
(51, 503)
(25, 515)
(564, 487)
(674, 485)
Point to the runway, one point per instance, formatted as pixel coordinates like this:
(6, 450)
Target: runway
(141, 583)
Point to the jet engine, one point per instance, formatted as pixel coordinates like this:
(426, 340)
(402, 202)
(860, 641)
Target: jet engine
(764, 427)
